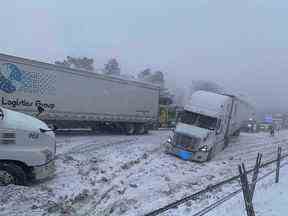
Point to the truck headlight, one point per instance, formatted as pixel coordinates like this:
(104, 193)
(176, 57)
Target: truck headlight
(169, 140)
(204, 148)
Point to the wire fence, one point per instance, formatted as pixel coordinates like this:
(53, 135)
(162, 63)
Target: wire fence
(210, 188)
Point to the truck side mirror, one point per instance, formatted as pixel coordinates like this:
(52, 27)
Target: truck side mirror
(40, 110)
(54, 128)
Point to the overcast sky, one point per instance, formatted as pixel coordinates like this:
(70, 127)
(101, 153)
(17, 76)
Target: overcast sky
(241, 45)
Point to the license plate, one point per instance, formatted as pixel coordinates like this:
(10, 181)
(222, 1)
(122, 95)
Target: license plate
(185, 155)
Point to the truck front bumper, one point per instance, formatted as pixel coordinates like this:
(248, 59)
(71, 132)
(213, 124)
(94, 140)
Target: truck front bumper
(44, 171)
(198, 156)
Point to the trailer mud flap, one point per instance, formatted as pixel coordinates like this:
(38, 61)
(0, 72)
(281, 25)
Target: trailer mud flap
(185, 155)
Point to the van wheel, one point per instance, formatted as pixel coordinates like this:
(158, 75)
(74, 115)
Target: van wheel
(12, 174)
(130, 129)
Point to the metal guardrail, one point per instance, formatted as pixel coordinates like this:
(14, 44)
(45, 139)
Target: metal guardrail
(209, 188)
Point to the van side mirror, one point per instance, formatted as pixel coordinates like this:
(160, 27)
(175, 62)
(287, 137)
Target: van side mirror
(54, 128)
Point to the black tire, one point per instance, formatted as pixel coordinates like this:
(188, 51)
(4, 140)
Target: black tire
(238, 133)
(146, 129)
(130, 129)
(226, 142)
(210, 154)
(18, 175)
(140, 129)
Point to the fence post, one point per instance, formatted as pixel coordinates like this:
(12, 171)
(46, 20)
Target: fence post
(278, 164)
(255, 174)
(246, 191)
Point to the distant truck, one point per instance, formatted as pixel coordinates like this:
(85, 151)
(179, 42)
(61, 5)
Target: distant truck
(167, 116)
(206, 125)
(27, 148)
(72, 98)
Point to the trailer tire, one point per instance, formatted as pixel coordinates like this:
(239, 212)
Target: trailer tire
(11, 173)
(238, 133)
(140, 129)
(146, 129)
(130, 129)
(226, 142)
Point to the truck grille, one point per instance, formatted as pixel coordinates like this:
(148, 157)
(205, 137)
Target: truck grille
(186, 142)
(8, 135)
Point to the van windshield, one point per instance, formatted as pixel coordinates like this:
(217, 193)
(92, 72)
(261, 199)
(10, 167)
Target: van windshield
(199, 120)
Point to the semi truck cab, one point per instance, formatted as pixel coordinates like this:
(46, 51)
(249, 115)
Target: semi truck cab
(27, 148)
(203, 127)
(195, 136)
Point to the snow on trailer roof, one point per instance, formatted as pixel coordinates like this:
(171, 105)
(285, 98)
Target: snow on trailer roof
(240, 97)
(209, 103)
(205, 102)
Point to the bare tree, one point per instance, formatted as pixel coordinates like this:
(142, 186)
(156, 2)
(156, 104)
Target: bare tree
(142, 75)
(83, 63)
(112, 67)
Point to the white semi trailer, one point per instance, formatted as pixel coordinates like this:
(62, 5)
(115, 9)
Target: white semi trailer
(27, 148)
(206, 125)
(74, 98)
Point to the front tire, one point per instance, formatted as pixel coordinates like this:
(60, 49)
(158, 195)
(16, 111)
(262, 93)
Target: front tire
(211, 154)
(12, 174)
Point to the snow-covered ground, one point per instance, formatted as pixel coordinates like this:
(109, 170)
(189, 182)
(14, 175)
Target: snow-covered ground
(270, 199)
(128, 175)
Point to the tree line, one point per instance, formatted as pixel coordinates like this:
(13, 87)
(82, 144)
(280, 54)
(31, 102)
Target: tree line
(112, 67)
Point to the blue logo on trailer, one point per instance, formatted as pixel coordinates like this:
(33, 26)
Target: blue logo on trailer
(13, 79)
(10, 77)
(269, 119)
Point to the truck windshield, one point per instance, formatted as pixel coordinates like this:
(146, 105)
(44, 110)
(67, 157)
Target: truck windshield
(199, 120)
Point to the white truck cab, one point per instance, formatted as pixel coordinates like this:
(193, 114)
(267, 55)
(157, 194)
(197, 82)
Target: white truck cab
(206, 124)
(27, 148)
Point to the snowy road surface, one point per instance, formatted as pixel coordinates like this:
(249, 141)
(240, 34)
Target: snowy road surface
(127, 175)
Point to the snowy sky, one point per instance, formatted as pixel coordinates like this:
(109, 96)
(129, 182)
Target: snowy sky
(239, 44)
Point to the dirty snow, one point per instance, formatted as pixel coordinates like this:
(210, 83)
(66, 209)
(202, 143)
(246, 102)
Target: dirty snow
(128, 175)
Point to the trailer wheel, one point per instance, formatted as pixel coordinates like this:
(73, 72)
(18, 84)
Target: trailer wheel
(226, 142)
(140, 129)
(237, 133)
(130, 129)
(12, 174)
